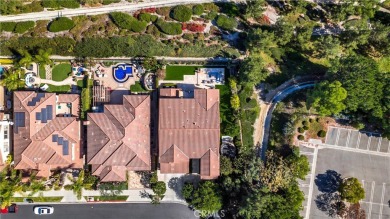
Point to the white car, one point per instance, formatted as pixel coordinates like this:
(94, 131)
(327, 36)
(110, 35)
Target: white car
(41, 210)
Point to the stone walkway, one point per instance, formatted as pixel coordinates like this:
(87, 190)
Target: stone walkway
(67, 81)
(48, 72)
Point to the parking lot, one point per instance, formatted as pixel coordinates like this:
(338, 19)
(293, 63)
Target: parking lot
(349, 153)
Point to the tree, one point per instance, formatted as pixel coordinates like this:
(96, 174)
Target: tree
(159, 188)
(351, 190)
(355, 211)
(225, 22)
(187, 191)
(252, 70)
(284, 31)
(275, 173)
(327, 98)
(259, 40)
(25, 58)
(235, 102)
(10, 183)
(150, 63)
(298, 164)
(43, 57)
(12, 79)
(226, 166)
(361, 79)
(206, 198)
(61, 24)
(77, 185)
(254, 8)
(328, 47)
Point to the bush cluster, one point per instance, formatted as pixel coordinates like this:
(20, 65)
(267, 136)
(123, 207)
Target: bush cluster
(305, 123)
(126, 21)
(147, 17)
(211, 15)
(305, 128)
(164, 11)
(181, 13)
(197, 9)
(301, 130)
(24, 26)
(226, 23)
(300, 137)
(7, 26)
(61, 24)
(107, 2)
(193, 27)
(311, 120)
(321, 134)
(170, 28)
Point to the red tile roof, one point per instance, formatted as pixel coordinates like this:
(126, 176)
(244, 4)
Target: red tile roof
(189, 128)
(119, 138)
(34, 147)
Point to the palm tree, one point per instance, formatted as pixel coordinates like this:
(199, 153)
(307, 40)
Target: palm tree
(77, 185)
(26, 58)
(43, 57)
(12, 80)
(10, 182)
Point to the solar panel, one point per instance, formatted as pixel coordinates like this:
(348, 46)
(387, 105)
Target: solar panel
(36, 99)
(19, 119)
(55, 138)
(49, 112)
(44, 115)
(38, 116)
(65, 148)
(60, 140)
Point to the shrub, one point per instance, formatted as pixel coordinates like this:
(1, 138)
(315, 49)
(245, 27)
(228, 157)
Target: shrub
(7, 26)
(147, 17)
(153, 30)
(317, 119)
(149, 10)
(50, 3)
(311, 120)
(226, 22)
(197, 9)
(34, 6)
(305, 128)
(170, 28)
(61, 24)
(211, 15)
(300, 137)
(188, 36)
(126, 21)
(321, 134)
(163, 11)
(301, 130)
(194, 27)
(305, 123)
(210, 7)
(107, 2)
(181, 13)
(22, 27)
(69, 3)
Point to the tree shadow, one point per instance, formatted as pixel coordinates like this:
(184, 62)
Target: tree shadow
(145, 194)
(329, 182)
(330, 203)
(176, 183)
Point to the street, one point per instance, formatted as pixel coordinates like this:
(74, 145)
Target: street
(107, 211)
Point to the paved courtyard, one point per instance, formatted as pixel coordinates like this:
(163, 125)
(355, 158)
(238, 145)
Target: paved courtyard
(347, 153)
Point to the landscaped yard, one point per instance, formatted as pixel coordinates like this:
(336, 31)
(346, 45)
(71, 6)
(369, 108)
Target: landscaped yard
(228, 123)
(42, 72)
(59, 89)
(61, 72)
(177, 72)
(137, 87)
(108, 198)
(38, 199)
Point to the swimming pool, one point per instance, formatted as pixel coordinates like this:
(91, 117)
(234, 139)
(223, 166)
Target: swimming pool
(123, 72)
(1, 70)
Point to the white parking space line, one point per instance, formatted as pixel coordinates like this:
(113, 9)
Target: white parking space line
(371, 197)
(338, 136)
(306, 153)
(311, 186)
(379, 144)
(357, 150)
(358, 141)
(349, 136)
(327, 131)
(368, 143)
(382, 198)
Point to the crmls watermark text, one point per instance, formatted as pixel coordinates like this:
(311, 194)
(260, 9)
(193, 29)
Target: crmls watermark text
(216, 214)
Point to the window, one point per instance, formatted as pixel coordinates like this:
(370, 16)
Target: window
(6, 134)
(6, 147)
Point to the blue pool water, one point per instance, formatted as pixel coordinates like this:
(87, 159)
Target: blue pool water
(1, 70)
(123, 72)
(216, 75)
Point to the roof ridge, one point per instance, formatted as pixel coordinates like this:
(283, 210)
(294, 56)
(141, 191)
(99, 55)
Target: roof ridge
(51, 121)
(109, 111)
(110, 154)
(146, 97)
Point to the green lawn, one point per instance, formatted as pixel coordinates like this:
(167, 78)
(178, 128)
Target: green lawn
(177, 72)
(108, 198)
(61, 72)
(42, 72)
(137, 87)
(38, 199)
(229, 125)
(59, 89)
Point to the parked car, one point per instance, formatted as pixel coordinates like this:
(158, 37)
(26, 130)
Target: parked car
(13, 208)
(42, 210)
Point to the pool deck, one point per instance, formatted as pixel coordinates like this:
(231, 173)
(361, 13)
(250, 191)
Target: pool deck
(109, 81)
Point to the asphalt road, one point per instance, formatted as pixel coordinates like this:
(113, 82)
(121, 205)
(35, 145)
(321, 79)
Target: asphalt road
(107, 211)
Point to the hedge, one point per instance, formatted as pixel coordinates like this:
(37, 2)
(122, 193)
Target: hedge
(181, 13)
(170, 28)
(7, 26)
(300, 137)
(211, 15)
(126, 21)
(22, 27)
(226, 23)
(61, 24)
(107, 2)
(147, 17)
(197, 9)
(60, 3)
